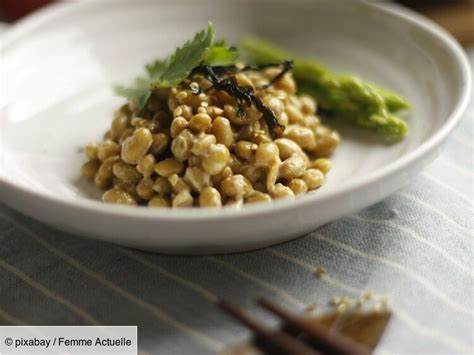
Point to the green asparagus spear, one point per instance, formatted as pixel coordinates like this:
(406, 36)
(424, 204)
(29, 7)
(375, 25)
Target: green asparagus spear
(345, 96)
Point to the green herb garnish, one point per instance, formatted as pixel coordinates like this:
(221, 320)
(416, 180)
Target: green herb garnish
(185, 59)
(138, 91)
(176, 68)
(220, 55)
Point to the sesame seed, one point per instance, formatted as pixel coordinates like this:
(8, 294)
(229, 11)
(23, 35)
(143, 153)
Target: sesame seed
(320, 271)
(194, 86)
(368, 295)
(360, 302)
(378, 308)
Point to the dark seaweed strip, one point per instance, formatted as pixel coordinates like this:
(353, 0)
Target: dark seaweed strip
(243, 95)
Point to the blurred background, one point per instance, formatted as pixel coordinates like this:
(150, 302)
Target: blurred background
(457, 16)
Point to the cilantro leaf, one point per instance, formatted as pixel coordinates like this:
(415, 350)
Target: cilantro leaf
(221, 43)
(177, 67)
(139, 91)
(186, 58)
(220, 55)
(156, 69)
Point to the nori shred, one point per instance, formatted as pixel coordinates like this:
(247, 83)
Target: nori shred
(222, 79)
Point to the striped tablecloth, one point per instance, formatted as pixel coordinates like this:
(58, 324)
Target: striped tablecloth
(416, 247)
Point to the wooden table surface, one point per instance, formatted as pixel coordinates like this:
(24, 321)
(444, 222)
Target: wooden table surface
(456, 16)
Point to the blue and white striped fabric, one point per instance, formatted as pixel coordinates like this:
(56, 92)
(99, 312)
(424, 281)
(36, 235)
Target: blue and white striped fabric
(416, 247)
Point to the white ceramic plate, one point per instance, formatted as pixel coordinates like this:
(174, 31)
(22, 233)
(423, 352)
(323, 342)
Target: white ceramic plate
(58, 67)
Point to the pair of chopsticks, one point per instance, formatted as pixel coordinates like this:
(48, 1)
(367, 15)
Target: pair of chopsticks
(298, 336)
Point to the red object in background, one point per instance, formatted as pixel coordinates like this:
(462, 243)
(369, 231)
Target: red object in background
(14, 9)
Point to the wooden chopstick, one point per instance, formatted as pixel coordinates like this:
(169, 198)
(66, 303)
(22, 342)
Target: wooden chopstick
(322, 339)
(281, 341)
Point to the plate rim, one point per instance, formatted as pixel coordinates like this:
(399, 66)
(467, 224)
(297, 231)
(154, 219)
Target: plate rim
(27, 24)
